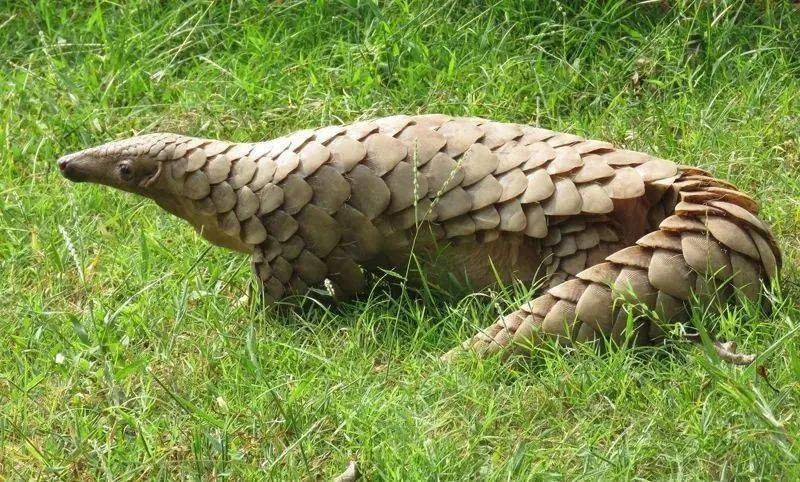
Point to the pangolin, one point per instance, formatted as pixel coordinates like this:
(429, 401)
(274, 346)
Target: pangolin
(470, 198)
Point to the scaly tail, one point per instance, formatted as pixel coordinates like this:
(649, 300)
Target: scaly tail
(709, 244)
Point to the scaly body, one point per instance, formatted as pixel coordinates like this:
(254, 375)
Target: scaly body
(470, 197)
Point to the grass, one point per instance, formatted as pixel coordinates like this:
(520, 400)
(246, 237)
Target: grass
(126, 352)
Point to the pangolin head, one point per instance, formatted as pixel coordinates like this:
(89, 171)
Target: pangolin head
(129, 164)
(145, 165)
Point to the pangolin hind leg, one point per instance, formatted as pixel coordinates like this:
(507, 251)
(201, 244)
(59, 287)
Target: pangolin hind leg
(576, 242)
(709, 243)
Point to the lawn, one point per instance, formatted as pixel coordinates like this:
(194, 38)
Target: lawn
(129, 349)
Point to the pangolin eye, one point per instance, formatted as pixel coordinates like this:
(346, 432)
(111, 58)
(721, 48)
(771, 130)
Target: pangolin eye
(125, 171)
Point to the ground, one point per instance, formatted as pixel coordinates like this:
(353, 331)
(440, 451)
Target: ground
(129, 350)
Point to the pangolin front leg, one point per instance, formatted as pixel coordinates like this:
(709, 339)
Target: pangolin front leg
(469, 197)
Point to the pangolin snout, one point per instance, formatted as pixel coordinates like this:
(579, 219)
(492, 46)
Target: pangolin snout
(69, 169)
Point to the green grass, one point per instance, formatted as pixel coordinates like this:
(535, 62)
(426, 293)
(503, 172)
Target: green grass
(127, 353)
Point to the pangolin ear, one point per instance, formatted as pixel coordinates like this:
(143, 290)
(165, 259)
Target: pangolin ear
(148, 181)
